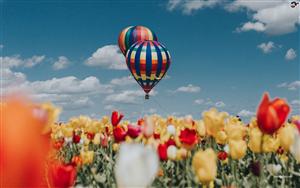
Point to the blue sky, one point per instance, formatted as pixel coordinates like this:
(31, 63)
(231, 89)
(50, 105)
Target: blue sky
(224, 54)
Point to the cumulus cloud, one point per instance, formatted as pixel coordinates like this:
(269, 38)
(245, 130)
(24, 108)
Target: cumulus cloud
(266, 47)
(199, 101)
(123, 81)
(109, 57)
(246, 113)
(220, 104)
(296, 103)
(10, 78)
(68, 85)
(271, 17)
(188, 89)
(17, 61)
(62, 63)
(68, 92)
(290, 86)
(127, 97)
(248, 26)
(290, 54)
(188, 7)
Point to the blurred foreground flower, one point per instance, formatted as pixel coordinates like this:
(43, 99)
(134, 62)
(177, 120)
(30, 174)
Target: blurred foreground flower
(23, 149)
(271, 114)
(136, 166)
(61, 176)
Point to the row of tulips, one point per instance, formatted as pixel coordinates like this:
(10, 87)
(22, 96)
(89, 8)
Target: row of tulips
(217, 150)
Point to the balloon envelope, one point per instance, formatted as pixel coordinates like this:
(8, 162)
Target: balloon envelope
(133, 34)
(148, 62)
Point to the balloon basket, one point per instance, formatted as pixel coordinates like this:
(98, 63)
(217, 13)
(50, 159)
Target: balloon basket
(147, 96)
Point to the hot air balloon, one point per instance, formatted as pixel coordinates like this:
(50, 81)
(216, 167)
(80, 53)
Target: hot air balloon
(148, 62)
(132, 34)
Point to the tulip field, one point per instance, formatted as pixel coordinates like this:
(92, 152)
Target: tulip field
(215, 150)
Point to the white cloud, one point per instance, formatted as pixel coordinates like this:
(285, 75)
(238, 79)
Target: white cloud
(62, 63)
(271, 17)
(172, 4)
(127, 97)
(16, 61)
(108, 56)
(152, 111)
(67, 101)
(248, 26)
(123, 81)
(246, 113)
(34, 60)
(290, 86)
(10, 78)
(199, 101)
(189, 7)
(109, 107)
(69, 85)
(68, 92)
(290, 54)
(220, 104)
(266, 47)
(296, 103)
(188, 89)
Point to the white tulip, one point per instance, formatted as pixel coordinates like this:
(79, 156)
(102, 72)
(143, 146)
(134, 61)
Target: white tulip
(172, 152)
(171, 130)
(274, 169)
(295, 148)
(136, 166)
(148, 128)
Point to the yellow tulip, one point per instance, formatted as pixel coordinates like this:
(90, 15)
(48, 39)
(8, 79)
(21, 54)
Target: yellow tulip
(221, 137)
(286, 136)
(205, 165)
(97, 139)
(255, 138)
(270, 143)
(115, 147)
(200, 127)
(87, 156)
(181, 154)
(237, 148)
(235, 129)
(67, 131)
(214, 120)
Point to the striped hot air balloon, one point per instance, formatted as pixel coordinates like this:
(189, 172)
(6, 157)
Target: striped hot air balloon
(148, 62)
(132, 34)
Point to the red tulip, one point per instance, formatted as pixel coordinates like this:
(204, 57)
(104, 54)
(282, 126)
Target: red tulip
(90, 135)
(119, 133)
(116, 117)
(188, 136)
(222, 155)
(271, 114)
(162, 151)
(156, 136)
(61, 175)
(104, 140)
(140, 121)
(58, 144)
(76, 138)
(134, 131)
(171, 142)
